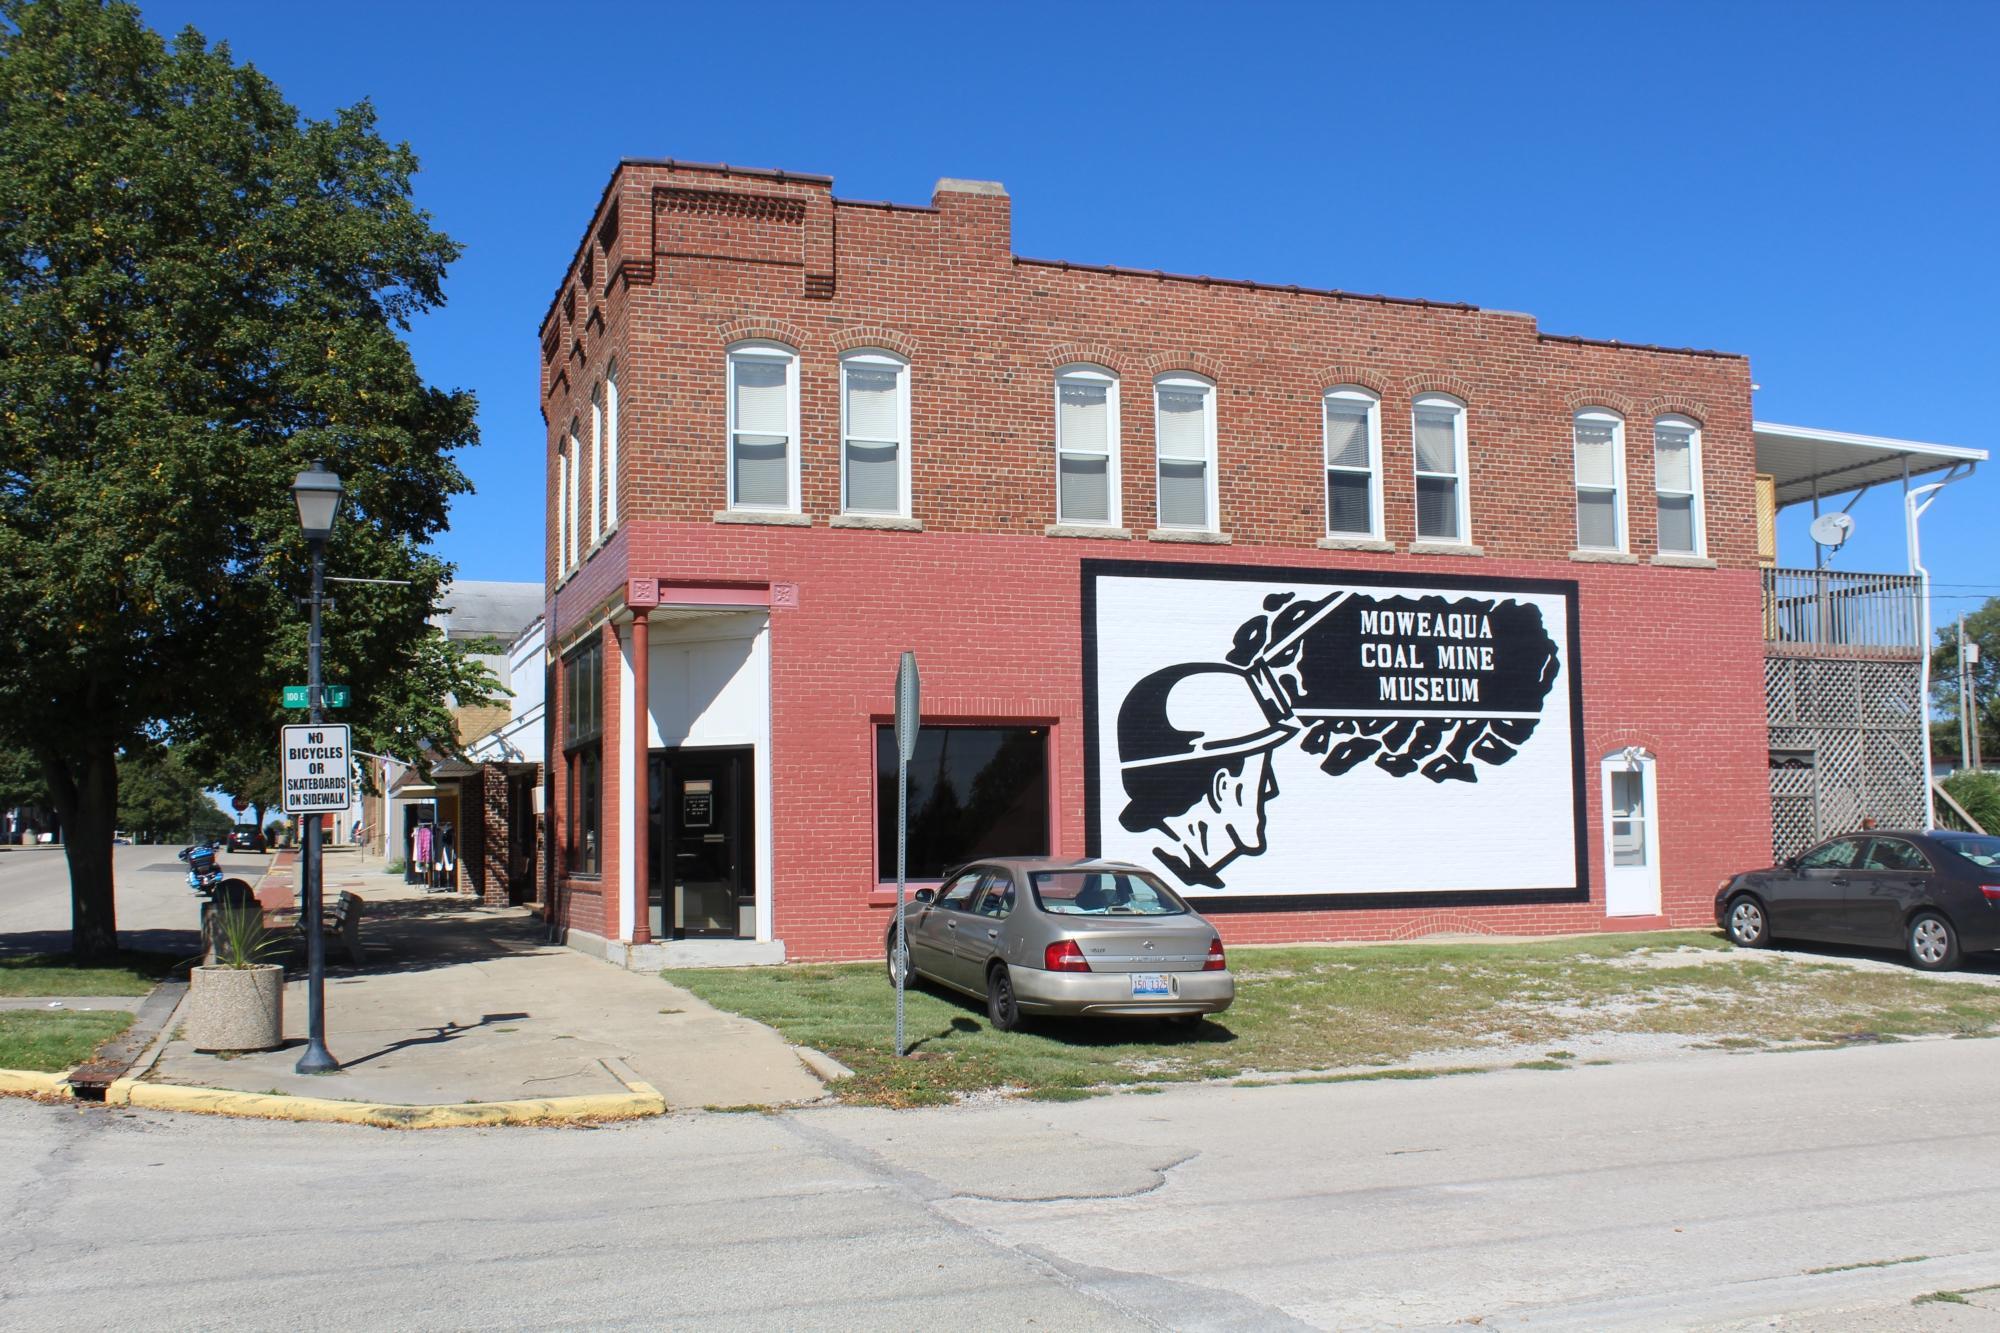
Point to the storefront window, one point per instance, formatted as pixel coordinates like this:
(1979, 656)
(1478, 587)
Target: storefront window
(583, 746)
(974, 791)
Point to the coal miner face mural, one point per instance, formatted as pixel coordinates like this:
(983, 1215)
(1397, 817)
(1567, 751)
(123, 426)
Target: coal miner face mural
(1274, 737)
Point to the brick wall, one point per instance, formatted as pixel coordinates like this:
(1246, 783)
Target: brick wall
(684, 261)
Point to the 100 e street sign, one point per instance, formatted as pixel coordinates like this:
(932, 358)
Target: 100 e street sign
(316, 769)
(333, 696)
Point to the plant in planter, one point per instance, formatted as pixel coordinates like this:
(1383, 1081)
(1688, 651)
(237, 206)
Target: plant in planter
(237, 1002)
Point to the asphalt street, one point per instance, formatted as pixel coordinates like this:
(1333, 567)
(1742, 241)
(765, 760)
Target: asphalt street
(155, 909)
(1801, 1190)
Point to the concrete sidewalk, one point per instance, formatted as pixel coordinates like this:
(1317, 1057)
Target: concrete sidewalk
(460, 1004)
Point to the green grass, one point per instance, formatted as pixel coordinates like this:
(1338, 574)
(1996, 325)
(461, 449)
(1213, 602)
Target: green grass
(1301, 1010)
(129, 973)
(54, 1040)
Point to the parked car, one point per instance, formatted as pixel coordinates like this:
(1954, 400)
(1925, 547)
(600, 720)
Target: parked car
(243, 838)
(1934, 894)
(1035, 935)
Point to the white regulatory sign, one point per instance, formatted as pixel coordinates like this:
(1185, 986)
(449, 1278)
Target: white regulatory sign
(316, 767)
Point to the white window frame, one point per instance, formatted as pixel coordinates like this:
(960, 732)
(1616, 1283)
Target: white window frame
(1696, 506)
(1461, 451)
(769, 353)
(880, 358)
(611, 445)
(596, 465)
(1621, 539)
(1354, 393)
(1084, 372)
(1186, 380)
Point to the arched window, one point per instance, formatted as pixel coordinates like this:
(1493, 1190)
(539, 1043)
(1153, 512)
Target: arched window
(562, 506)
(1352, 424)
(1437, 431)
(763, 427)
(597, 464)
(875, 433)
(1677, 485)
(1087, 473)
(611, 445)
(1184, 434)
(575, 492)
(1600, 479)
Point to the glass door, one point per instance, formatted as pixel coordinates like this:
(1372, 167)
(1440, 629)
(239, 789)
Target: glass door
(701, 858)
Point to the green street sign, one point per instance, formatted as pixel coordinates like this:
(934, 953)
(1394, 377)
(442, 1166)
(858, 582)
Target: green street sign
(334, 696)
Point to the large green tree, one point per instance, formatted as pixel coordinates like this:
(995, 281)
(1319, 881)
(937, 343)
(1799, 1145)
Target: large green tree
(159, 800)
(1983, 628)
(203, 292)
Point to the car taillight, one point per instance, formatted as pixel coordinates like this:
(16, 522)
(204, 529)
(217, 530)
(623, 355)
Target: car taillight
(1065, 957)
(1992, 892)
(1216, 962)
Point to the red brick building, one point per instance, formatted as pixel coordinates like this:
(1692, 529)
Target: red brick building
(1353, 616)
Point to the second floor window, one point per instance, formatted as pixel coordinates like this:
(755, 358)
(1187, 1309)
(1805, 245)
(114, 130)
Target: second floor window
(1353, 460)
(1184, 416)
(875, 433)
(596, 464)
(763, 427)
(1677, 484)
(1437, 426)
(1086, 445)
(562, 507)
(1600, 470)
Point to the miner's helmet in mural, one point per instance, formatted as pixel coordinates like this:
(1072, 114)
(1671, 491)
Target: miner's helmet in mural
(1194, 751)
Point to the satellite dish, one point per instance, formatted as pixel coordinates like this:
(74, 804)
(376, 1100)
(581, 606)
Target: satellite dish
(1832, 529)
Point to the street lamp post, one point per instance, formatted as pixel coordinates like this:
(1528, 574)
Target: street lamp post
(317, 491)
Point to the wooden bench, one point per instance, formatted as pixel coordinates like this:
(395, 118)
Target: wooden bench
(344, 924)
(342, 921)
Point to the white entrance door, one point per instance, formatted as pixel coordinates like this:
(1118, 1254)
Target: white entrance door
(1631, 836)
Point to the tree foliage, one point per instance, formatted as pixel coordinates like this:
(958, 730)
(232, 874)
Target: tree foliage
(160, 800)
(1983, 628)
(203, 292)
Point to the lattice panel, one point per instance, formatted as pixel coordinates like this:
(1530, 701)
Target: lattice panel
(1861, 725)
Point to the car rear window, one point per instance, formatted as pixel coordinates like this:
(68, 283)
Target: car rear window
(1103, 893)
(1982, 852)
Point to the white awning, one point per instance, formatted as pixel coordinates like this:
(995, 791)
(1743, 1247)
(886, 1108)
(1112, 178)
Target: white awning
(1807, 461)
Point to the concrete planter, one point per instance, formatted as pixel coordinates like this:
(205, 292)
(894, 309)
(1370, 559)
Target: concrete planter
(236, 1008)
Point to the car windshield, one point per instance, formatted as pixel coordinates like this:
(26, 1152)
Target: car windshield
(1982, 852)
(1103, 893)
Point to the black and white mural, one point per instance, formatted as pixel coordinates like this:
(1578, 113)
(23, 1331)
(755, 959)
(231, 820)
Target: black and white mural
(1305, 738)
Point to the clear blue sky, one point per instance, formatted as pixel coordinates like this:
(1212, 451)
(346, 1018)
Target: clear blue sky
(1814, 185)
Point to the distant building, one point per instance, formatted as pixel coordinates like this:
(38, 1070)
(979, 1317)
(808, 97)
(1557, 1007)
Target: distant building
(467, 611)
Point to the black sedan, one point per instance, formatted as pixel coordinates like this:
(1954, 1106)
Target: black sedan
(1935, 894)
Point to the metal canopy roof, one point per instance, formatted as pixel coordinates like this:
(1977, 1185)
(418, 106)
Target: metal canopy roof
(1807, 461)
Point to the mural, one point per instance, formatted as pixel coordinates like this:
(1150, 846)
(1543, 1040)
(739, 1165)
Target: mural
(1275, 737)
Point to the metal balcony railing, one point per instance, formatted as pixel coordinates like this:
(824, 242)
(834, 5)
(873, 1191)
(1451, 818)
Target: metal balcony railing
(1809, 611)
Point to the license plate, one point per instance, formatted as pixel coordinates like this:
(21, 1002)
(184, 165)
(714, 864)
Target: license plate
(1149, 984)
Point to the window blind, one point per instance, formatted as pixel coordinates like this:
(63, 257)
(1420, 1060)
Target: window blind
(1436, 440)
(1183, 424)
(1083, 488)
(874, 481)
(1437, 509)
(1183, 494)
(1597, 519)
(1673, 459)
(760, 398)
(1346, 434)
(1596, 464)
(873, 406)
(1083, 419)
(1347, 502)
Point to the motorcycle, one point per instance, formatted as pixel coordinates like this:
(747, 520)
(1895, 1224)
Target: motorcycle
(203, 872)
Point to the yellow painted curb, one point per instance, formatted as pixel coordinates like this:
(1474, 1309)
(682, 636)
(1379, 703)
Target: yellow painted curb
(642, 1101)
(35, 1083)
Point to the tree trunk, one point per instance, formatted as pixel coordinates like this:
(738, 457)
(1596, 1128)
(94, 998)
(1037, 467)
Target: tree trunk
(86, 799)
(257, 813)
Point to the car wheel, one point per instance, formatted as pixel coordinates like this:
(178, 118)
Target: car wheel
(1748, 926)
(1001, 1006)
(1933, 943)
(889, 949)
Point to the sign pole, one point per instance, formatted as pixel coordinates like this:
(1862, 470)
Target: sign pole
(908, 689)
(316, 1059)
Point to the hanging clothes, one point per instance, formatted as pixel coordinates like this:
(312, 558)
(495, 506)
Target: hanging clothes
(420, 845)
